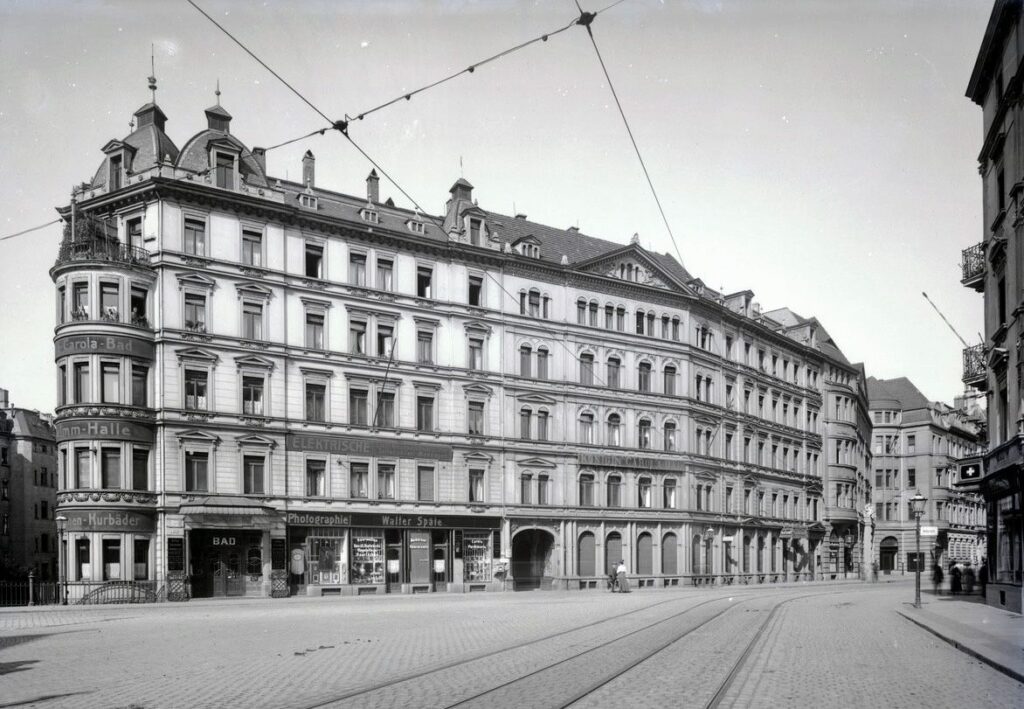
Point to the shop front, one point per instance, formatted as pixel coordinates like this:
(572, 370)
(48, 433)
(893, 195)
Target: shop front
(107, 548)
(359, 553)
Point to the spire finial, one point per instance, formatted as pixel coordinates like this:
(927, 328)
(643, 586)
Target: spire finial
(152, 68)
(131, 124)
(217, 92)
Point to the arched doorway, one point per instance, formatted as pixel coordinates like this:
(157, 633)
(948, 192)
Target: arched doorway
(746, 554)
(888, 552)
(531, 556)
(612, 552)
(645, 554)
(760, 553)
(669, 555)
(695, 554)
(585, 558)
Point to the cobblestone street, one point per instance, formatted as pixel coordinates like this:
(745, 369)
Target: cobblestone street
(533, 649)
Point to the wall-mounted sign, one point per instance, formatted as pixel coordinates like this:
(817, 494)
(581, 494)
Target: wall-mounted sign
(175, 553)
(108, 521)
(971, 471)
(928, 531)
(103, 344)
(634, 462)
(103, 430)
(410, 521)
(366, 446)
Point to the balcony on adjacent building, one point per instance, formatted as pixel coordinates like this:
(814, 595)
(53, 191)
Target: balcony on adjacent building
(974, 367)
(972, 265)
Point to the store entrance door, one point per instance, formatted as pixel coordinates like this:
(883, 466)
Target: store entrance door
(419, 558)
(226, 573)
(393, 560)
(217, 563)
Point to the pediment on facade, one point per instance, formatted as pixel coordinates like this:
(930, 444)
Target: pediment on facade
(535, 463)
(477, 389)
(633, 264)
(196, 280)
(531, 398)
(253, 290)
(478, 326)
(197, 436)
(254, 440)
(254, 362)
(477, 457)
(196, 354)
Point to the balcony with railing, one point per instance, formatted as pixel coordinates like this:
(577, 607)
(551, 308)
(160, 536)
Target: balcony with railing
(94, 240)
(974, 367)
(972, 265)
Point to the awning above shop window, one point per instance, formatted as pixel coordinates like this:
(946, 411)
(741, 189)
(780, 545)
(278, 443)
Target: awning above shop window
(228, 512)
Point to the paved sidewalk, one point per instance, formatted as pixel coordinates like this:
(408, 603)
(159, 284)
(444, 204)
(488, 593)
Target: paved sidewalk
(994, 636)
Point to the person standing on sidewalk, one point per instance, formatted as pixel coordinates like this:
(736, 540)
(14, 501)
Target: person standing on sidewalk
(937, 578)
(620, 577)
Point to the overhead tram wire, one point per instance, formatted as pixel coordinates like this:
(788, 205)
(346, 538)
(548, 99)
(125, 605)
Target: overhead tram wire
(29, 230)
(587, 20)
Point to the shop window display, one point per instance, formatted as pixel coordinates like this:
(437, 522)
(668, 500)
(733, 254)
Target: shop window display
(326, 565)
(367, 557)
(477, 556)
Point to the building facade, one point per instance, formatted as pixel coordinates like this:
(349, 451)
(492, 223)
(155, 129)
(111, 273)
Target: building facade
(916, 445)
(28, 493)
(268, 387)
(995, 267)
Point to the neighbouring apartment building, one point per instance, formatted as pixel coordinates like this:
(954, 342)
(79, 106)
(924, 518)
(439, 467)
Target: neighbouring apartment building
(272, 387)
(28, 493)
(916, 445)
(995, 267)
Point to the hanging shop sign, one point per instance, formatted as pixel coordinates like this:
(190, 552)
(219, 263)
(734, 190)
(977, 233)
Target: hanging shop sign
(103, 430)
(412, 521)
(103, 344)
(108, 521)
(635, 462)
(369, 447)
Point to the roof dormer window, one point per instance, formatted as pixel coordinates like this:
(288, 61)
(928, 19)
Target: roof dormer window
(116, 165)
(369, 214)
(224, 170)
(416, 227)
(475, 229)
(308, 200)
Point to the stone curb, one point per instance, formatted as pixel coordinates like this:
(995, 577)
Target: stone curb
(1008, 671)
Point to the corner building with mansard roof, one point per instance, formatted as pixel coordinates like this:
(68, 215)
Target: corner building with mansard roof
(271, 388)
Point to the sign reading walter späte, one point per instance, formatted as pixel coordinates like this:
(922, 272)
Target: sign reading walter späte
(411, 521)
(375, 447)
(103, 344)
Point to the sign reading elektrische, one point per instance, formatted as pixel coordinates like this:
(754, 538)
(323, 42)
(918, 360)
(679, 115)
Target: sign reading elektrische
(103, 430)
(375, 447)
(103, 344)
(108, 521)
(403, 521)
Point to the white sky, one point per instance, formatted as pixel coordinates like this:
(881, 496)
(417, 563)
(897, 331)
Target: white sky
(819, 153)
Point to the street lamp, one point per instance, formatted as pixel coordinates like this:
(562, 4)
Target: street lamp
(62, 521)
(917, 507)
(848, 541)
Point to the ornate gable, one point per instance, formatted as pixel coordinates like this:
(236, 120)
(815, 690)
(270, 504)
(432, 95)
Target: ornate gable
(634, 265)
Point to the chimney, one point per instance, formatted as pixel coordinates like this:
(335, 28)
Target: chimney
(573, 230)
(373, 187)
(520, 215)
(260, 154)
(309, 169)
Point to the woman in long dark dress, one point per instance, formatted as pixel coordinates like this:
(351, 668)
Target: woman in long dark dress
(620, 577)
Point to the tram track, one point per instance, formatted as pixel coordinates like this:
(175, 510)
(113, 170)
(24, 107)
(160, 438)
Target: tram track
(366, 691)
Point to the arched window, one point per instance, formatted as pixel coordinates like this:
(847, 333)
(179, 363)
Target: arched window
(587, 428)
(586, 557)
(645, 554)
(746, 554)
(542, 425)
(526, 488)
(525, 355)
(586, 491)
(533, 309)
(669, 434)
(614, 497)
(650, 324)
(614, 430)
(587, 369)
(609, 317)
(620, 319)
(639, 322)
(669, 489)
(593, 313)
(612, 551)
(545, 306)
(675, 329)
(643, 492)
(542, 363)
(525, 414)
(614, 368)
(669, 555)
(670, 380)
(581, 312)
(644, 433)
(695, 554)
(643, 382)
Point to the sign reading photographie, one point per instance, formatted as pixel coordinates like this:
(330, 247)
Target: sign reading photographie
(365, 446)
(404, 521)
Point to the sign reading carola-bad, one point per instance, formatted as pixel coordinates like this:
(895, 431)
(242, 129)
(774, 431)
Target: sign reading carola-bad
(103, 344)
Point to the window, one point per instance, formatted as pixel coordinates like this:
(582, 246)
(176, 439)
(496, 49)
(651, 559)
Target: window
(542, 363)
(670, 380)
(639, 322)
(316, 478)
(252, 321)
(620, 319)
(543, 495)
(111, 559)
(62, 304)
(110, 468)
(195, 390)
(425, 483)
(542, 425)
(139, 298)
(587, 428)
(115, 172)
(474, 232)
(195, 312)
(196, 469)
(385, 339)
(476, 485)
(670, 436)
(592, 311)
(140, 469)
(424, 413)
(911, 444)
(80, 301)
(525, 356)
(385, 274)
(316, 395)
(526, 488)
(252, 474)
(525, 417)
(533, 308)
(476, 353)
(83, 472)
(110, 298)
(252, 248)
(476, 290)
(669, 493)
(385, 413)
(911, 477)
(357, 269)
(81, 557)
(357, 337)
(252, 396)
(225, 169)
(424, 281)
(195, 237)
(586, 491)
(644, 377)
(315, 331)
(643, 489)
(581, 312)
(359, 481)
(81, 391)
(614, 368)
(425, 347)
(614, 430)
(476, 418)
(357, 406)
(587, 369)
(644, 431)
(110, 380)
(141, 557)
(614, 498)
(385, 481)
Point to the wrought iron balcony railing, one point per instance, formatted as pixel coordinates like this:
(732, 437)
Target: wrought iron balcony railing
(100, 249)
(972, 265)
(974, 363)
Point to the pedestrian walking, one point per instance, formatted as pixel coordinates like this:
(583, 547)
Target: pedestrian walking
(937, 578)
(968, 579)
(620, 576)
(955, 575)
(983, 576)
(613, 580)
